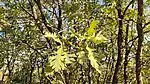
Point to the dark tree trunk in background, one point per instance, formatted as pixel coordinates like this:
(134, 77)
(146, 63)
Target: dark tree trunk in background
(119, 43)
(126, 55)
(140, 40)
(89, 71)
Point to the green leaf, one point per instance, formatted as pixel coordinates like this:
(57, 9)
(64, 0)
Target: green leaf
(68, 58)
(48, 70)
(56, 62)
(93, 61)
(72, 16)
(91, 29)
(98, 39)
(52, 35)
(81, 57)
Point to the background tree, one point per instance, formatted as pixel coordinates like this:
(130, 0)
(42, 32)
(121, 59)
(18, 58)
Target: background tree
(74, 41)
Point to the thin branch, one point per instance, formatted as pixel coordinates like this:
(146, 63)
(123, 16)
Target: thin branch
(128, 7)
(146, 24)
(131, 20)
(26, 11)
(31, 5)
(23, 41)
(38, 24)
(42, 15)
(51, 11)
(59, 17)
(137, 36)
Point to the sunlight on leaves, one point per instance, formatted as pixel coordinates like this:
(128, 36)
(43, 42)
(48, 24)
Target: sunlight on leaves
(98, 39)
(93, 61)
(48, 35)
(57, 61)
(68, 58)
(52, 35)
(81, 57)
(91, 29)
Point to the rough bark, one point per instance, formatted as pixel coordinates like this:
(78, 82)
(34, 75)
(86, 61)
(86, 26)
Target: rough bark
(140, 40)
(126, 55)
(119, 43)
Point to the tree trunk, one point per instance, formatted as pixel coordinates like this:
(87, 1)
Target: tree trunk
(126, 55)
(140, 40)
(119, 44)
(89, 72)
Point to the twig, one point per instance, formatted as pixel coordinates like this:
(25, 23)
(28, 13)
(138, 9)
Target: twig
(128, 7)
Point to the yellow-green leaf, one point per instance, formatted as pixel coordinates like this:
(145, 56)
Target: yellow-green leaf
(98, 39)
(93, 61)
(48, 34)
(56, 62)
(52, 35)
(81, 57)
(91, 29)
(68, 58)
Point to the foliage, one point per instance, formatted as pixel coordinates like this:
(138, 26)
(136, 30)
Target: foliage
(70, 42)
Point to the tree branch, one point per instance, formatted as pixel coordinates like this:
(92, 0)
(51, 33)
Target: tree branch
(128, 7)
(23, 41)
(42, 15)
(146, 24)
(137, 36)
